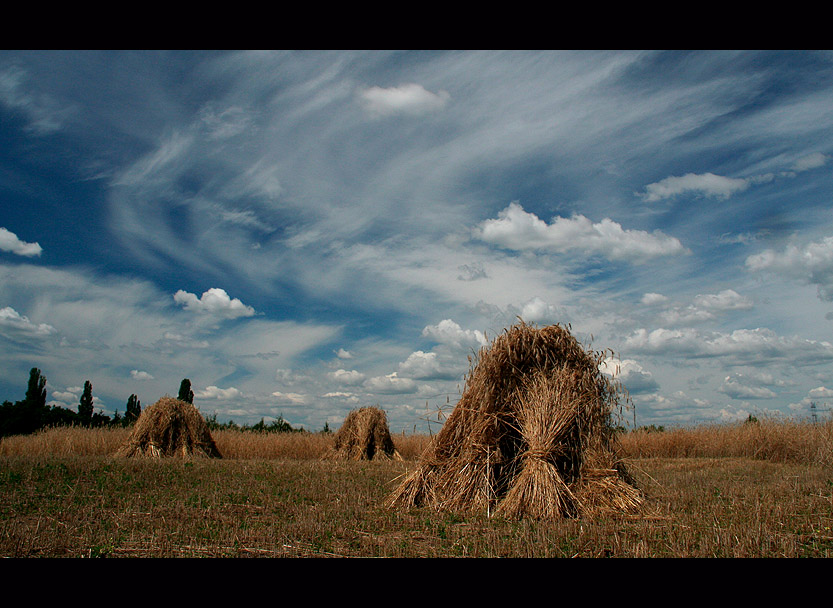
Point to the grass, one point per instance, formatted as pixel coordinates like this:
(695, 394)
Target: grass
(63, 495)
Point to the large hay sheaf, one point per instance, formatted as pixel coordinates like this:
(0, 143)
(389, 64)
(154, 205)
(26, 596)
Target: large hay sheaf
(531, 435)
(170, 427)
(364, 435)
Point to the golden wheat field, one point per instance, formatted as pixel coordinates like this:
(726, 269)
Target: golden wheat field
(745, 490)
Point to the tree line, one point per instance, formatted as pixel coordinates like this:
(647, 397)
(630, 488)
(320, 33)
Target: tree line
(31, 413)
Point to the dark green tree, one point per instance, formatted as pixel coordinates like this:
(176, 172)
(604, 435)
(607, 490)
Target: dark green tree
(36, 390)
(134, 408)
(185, 392)
(85, 407)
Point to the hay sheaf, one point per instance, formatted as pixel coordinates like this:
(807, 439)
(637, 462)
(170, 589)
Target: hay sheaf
(170, 428)
(531, 435)
(364, 435)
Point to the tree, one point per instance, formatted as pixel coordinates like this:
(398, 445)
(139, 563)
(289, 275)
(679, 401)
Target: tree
(33, 411)
(36, 391)
(185, 392)
(134, 408)
(85, 407)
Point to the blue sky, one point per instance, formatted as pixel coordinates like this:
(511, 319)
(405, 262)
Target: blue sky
(304, 233)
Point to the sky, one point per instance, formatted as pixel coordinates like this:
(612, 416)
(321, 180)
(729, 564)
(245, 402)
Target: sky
(301, 233)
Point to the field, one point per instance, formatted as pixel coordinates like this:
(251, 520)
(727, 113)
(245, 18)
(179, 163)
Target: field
(750, 490)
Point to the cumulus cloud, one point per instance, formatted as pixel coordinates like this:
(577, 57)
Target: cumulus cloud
(290, 398)
(745, 345)
(811, 264)
(391, 384)
(705, 307)
(11, 243)
(13, 324)
(140, 375)
(345, 377)
(650, 299)
(412, 99)
(705, 184)
(214, 392)
(215, 302)
(423, 366)
(519, 230)
(471, 272)
(735, 387)
(538, 310)
(351, 397)
(728, 299)
(344, 354)
(65, 396)
(449, 333)
(631, 374)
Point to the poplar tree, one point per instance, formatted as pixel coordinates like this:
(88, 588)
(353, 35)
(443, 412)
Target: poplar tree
(133, 409)
(185, 392)
(85, 407)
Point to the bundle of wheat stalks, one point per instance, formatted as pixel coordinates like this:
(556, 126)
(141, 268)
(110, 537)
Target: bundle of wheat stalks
(530, 437)
(170, 427)
(364, 435)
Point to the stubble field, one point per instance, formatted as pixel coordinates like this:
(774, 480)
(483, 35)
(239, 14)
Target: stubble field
(762, 490)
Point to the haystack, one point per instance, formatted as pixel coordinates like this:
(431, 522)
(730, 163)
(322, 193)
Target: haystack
(170, 427)
(364, 435)
(531, 435)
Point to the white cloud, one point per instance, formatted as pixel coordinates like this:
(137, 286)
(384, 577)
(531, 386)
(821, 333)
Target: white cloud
(140, 375)
(810, 161)
(410, 99)
(516, 229)
(421, 366)
(215, 302)
(649, 299)
(744, 345)
(811, 264)
(391, 384)
(728, 299)
(449, 333)
(348, 378)
(13, 323)
(706, 184)
(214, 392)
(537, 310)
(290, 398)
(65, 396)
(43, 112)
(344, 354)
(10, 242)
(631, 374)
(734, 387)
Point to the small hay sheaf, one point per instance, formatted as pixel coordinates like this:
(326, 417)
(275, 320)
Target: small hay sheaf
(530, 437)
(170, 428)
(364, 435)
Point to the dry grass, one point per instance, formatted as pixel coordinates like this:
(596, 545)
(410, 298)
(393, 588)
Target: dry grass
(769, 439)
(167, 428)
(364, 435)
(530, 436)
